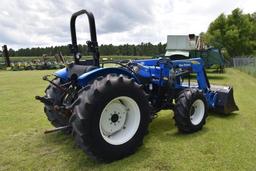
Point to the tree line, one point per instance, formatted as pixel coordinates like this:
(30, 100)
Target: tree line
(143, 49)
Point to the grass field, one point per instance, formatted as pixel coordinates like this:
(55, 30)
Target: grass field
(225, 143)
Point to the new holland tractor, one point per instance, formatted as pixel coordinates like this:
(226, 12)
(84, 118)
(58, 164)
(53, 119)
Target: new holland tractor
(108, 109)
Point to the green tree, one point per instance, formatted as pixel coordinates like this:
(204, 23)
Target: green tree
(234, 33)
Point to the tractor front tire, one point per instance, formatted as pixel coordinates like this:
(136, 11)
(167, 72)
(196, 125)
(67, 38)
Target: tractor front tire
(56, 118)
(190, 111)
(111, 119)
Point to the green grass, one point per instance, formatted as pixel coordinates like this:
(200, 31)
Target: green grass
(225, 143)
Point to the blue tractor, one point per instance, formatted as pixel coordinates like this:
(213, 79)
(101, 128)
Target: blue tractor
(108, 109)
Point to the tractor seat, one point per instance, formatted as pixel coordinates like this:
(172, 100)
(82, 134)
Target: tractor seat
(75, 70)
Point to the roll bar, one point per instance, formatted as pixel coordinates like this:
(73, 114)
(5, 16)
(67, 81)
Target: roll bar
(92, 44)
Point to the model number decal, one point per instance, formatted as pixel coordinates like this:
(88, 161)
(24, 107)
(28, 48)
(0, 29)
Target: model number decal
(184, 65)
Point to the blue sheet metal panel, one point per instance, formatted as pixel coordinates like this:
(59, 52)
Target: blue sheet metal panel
(158, 74)
(62, 73)
(84, 79)
(147, 62)
(188, 61)
(211, 98)
(149, 71)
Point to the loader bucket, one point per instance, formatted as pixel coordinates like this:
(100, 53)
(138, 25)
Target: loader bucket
(225, 102)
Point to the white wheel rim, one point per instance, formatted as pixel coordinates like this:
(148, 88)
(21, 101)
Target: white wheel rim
(197, 111)
(119, 120)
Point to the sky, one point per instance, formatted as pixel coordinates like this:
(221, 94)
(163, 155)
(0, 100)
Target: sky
(40, 23)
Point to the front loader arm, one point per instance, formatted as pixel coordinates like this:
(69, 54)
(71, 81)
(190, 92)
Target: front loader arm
(219, 98)
(194, 66)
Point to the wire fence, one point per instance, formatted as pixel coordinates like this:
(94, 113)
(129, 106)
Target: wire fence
(246, 64)
(244, 61)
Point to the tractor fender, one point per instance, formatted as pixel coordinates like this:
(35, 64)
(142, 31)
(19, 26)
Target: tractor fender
(66, 73)
(62, 73)
(85, 78)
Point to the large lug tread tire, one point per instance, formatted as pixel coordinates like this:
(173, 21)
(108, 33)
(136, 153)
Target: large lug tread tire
(182, 114)
(86, 117)
(56, 118)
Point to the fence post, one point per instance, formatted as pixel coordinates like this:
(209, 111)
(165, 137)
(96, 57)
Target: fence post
(234, 62)
(6, 56)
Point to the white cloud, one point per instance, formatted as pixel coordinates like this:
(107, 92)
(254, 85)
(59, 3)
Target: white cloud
(26, 23)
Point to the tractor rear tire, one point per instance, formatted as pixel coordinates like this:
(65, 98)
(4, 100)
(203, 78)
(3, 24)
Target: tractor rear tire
(190, 111)
(111, 119)
(56, 118)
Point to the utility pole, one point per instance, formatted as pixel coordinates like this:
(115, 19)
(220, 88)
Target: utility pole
(6, 56)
